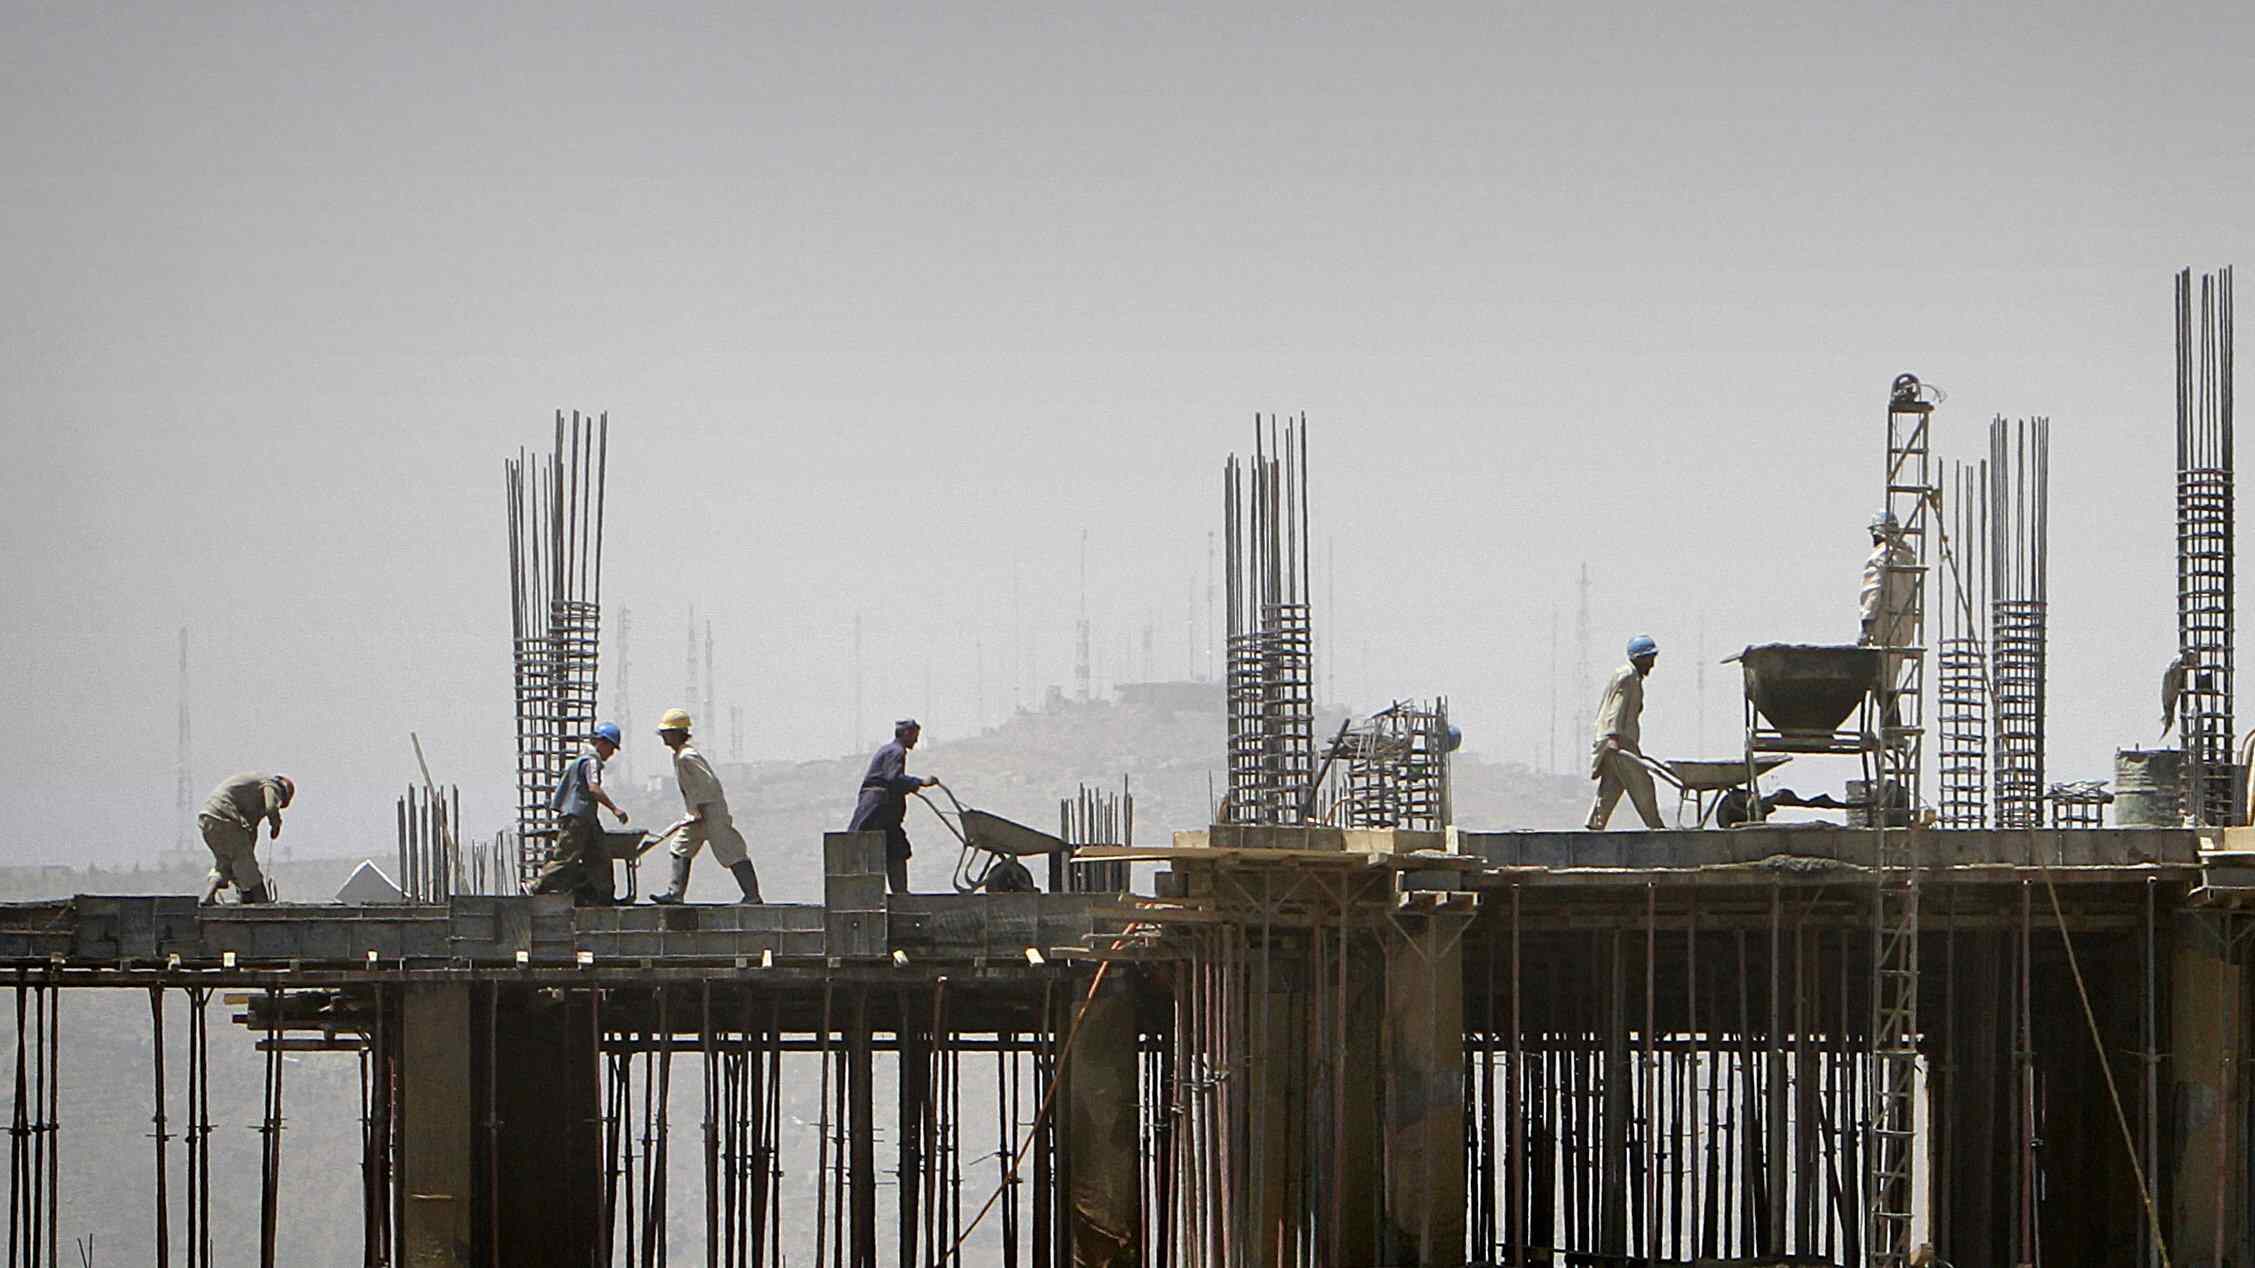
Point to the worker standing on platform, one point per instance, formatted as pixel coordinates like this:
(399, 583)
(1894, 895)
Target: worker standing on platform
(707, 820)
(1890, 581)
(1890, 578)
(883, 803)
(1617, 761)
(229, 822)
(578, 859)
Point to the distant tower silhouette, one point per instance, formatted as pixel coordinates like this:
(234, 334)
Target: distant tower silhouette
(1581, 641)
(183, 781)
(1210, 635)
(1553, 767)
(853, 743)
(689, 666)
(711, 710)
(623, 714)
(1080, 653)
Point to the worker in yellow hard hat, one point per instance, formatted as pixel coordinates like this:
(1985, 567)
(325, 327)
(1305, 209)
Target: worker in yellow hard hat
(707, 820)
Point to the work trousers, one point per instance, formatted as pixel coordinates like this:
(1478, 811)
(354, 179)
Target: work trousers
(715, 829)
(1617, 772)
(577, 867)
(234, 852)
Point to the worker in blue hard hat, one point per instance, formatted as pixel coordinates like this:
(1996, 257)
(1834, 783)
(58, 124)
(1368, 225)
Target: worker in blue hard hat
(1617, 760)
(578, 865)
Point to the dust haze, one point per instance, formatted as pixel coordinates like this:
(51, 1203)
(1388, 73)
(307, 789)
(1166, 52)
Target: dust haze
(889, 304)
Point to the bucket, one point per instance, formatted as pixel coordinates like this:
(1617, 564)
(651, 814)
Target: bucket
(2148, 786)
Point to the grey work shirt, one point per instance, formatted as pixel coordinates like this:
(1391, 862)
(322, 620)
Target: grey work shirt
(1620, 715)
(245, 799)
(582, 780)
(699, 786)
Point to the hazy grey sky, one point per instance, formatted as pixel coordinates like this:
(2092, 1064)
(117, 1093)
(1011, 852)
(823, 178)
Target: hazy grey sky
(886, 302)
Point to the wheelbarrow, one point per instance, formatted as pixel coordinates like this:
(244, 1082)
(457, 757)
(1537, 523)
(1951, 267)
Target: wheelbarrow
(628, 845)
(1701, 783)
(985, 840)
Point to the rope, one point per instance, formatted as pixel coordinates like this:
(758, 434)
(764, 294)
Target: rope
(1048, 1096)
(2066, 939)
(2090, 1019)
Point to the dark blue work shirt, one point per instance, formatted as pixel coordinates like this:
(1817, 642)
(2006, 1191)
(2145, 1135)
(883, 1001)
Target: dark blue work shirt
(883, 803)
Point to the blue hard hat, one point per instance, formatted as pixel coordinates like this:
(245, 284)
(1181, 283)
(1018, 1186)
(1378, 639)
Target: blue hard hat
(1456, 738)
(1642, 645)
(608, 731)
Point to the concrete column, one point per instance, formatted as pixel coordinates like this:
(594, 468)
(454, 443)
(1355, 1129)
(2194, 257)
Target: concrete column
(437, 1116)
(546, 1097)
(2207, 1033)
(1100, 1130)
(1424, 1093)
(1361, 1166)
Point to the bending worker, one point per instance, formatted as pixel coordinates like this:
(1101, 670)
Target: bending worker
(883, 804)
(1617, 760)
(229, 822)
(578, 866)
(707, 820)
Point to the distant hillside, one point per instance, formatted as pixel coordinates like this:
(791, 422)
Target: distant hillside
(1166, 740)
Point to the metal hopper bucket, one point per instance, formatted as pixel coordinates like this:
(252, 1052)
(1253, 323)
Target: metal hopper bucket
(1808, 691)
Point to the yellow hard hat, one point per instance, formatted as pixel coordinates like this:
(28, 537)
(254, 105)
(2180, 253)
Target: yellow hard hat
(674, 720)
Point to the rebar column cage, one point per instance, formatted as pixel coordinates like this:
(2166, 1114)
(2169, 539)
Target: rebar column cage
(1287, 712)
(2205, 565)
(1397, 769)
(2079, 804)
(555, 511)
(1270, 635)
(1961, 695)
(2017, 627)
(2019, 530)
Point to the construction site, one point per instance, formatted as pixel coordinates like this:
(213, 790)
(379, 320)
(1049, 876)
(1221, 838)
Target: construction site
(1979, 1017)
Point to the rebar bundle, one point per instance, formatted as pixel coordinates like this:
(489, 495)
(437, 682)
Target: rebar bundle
(1397, 773)
(435, 863)
(2019, 528)
(555, 590)
(1270, 641)
(1962, 669)
(1097, 816)
(2204, 543)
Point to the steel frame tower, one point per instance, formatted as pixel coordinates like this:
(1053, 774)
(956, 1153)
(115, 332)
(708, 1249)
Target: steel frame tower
(1890, 1105)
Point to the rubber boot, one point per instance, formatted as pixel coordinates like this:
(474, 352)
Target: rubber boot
(747, 879)
(680, 888)
(211, 890)
(257, 894)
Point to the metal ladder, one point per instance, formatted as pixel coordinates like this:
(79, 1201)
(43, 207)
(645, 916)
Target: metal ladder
(1894, 762)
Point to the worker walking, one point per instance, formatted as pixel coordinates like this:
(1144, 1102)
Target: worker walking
(229, 822)
(707, 820)
(883, 803)
(1617, 756)
(577, 864)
